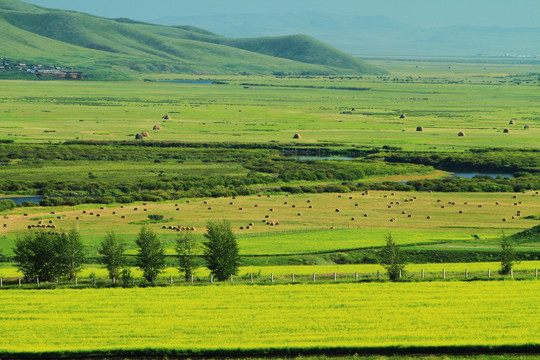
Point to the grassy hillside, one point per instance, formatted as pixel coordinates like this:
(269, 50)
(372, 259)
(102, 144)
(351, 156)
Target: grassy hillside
(98, 45)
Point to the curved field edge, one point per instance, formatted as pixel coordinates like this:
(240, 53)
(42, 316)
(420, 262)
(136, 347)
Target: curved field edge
(283, 319)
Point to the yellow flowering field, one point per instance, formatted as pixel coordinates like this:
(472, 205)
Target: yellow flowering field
(303, 316)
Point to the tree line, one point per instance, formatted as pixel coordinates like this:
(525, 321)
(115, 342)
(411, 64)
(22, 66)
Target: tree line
(48, 256)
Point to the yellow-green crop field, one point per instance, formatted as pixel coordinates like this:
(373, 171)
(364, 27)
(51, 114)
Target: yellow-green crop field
(199, 319)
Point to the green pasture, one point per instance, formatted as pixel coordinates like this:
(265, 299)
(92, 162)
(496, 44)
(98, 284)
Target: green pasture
(326, 316)
(265, 109)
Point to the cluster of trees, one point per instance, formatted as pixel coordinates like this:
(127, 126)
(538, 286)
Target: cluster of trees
(45, 256)
(48, 256)
(7, 205)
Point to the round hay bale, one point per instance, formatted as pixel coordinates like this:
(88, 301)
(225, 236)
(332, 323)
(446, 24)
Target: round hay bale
(299, 214)
(526, 127)
(511, 122)
(167, 117)
(145, 134)
(338, 210)
(506, 131)
(402, 116)
(419, 128)
(297, 136)
(157, 127)
(461, 133)
(138, 137)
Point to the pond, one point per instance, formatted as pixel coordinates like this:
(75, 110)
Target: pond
(323, 158)
(473, 174)
(21, 199)
(206, 82)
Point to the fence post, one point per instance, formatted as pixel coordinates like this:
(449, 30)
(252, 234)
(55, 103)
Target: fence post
(489, 272)
(272, 277)
(444, 274)
(378, 275)
(511, 273)
(19, 282)
(313, 277)
(211, 278)
(466, 273)
(37, 281)
(133, 281)
(94, 281)
(423, 276)
(251, 277)
(400, 274)
(231, 279)
(171, 280)
(56, 280)
(1, 282)
(191, 278)
(76, 281)
(114, 280)
(335, 276)
(292, 277)
(536, 272)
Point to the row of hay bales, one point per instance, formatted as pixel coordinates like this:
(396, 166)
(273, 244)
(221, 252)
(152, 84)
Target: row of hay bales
(461, 133)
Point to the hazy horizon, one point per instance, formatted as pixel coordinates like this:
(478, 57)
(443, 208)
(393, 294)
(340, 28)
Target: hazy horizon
(425, 13)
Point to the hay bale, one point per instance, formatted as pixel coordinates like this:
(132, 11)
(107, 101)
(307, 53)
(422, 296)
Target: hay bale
(402, 116)
(526, 127)
(297, 136)
(419, 128)
(461, 133)
(138, 137)
(145, 134)
(338, 210)
(506, 131)
(511, 122)
(157, 127)
(167, 117)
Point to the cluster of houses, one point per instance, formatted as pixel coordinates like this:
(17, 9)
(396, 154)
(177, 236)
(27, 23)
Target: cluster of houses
(56, 72)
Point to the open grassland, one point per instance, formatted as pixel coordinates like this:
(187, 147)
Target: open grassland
(256, 109)
(471, 221)
(194, 320)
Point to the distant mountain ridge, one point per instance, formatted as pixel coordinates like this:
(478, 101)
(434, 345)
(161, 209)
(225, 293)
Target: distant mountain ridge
(116, 48)
(375, 35)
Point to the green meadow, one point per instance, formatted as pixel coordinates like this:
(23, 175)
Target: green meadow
(256, 109)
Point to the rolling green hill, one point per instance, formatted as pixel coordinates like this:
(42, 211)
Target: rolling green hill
(122, 48)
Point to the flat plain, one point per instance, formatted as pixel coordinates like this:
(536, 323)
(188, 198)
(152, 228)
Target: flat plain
(310, 231)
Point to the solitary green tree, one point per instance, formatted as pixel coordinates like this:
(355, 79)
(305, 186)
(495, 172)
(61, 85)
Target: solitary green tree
(112, 250)
(151, 255)
(392, 259)
(71, 254)
(508, 256)
(186, 245)
(221, 250)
